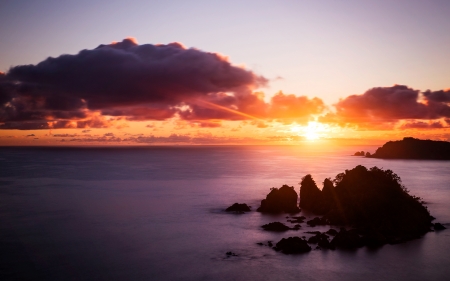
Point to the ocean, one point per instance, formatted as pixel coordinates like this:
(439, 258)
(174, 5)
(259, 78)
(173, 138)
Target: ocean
(157, 213)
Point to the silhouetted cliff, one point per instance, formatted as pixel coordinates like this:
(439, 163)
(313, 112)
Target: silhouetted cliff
(411, 148)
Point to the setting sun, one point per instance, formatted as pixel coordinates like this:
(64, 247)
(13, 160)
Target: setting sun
(313, 131)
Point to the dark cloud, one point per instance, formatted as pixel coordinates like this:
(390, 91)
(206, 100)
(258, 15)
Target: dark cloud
(422, 125)
(138, 82)
(438, 96)
(385, 106)
(64, 135)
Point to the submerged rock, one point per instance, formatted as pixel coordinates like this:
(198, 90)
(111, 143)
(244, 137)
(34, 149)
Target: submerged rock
(279, 200)
(275, 226)
(438, 226)
(297, 219)
(347, 240)
(292, 245)
(332, 232)
(317, 221)
(240, 208)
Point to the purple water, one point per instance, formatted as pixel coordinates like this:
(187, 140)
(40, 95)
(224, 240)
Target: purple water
(157, 214)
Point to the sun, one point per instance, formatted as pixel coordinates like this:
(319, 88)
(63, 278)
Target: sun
(313, 131)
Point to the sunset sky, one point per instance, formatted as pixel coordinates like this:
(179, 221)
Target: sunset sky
(223, 72)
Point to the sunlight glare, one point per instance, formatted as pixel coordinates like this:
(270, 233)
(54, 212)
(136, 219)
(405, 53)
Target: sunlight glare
(313, 131)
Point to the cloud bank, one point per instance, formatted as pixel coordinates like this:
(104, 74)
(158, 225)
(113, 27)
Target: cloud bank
(124, 81)
(136, 82)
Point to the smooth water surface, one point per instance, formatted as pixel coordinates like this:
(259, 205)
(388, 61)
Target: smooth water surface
(156, 213)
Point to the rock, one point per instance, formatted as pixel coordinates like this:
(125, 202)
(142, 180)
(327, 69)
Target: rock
(313, 239)
(332, 232)
(293, 245)
(297, 219)
(280, 200)
(240, 208)
(231, 254)
(260, 244)
(275, 226)
(317, 221)
(310, 195)
(370, 199)
(347, 240)
(313, 232)
(438, 226)
(328, 196)
(321, 239)
(269, 243)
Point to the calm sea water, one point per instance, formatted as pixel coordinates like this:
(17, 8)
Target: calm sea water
(157, 214)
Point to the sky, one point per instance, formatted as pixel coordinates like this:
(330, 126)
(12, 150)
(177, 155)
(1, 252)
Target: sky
(223, 72)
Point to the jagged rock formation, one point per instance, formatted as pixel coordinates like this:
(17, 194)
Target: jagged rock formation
(279, 200)
(411, 148)
(372, 200)
(312, 198)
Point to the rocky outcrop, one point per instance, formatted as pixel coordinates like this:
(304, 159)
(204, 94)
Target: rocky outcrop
(276, 226)
(280, 200)
(317, 221)
(312, 198)
(347, 240)
(438, 226)
(411, 148)
(310, 195)
(292, 245)
(373, 200)
(238, 208)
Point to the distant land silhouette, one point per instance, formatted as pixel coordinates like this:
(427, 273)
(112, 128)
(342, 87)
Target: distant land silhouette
(411, 148)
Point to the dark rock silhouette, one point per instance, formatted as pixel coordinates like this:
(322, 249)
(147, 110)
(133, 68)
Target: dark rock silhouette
(317, 221)
(299, 219)
(231, 254)
(328, 195)
(292, 245)
(438, 226)
(332, 232)
(411, 148)
(276, 226)
(239, 208)
(310, 195)
(372, 200)
(279, 200)
(347, 240)
(359, 153)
